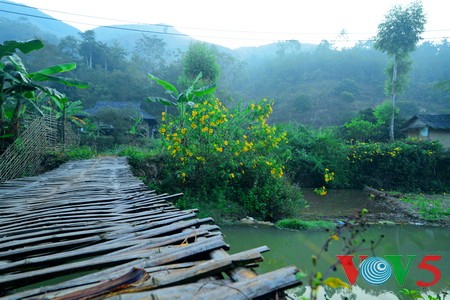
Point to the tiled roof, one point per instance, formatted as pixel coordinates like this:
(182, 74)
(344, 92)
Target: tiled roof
(432, 121)
(120, 105)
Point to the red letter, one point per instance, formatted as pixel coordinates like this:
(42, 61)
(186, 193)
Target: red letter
(349, 268)
(436, 272)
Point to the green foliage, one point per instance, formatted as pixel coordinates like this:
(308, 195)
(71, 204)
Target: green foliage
(79, 153)
(232, 152)
(181, 100)
(430, 207)
(398, 84)
(138, 156)
(361, 130)
(398, 36)
(21, 90)
(10, 47)
(399, 33)
(54, 159)
(199, 58)
(370, 125)
(384, 111)
(115, 127)
(313, 151)
(403, 165)
(305, 225)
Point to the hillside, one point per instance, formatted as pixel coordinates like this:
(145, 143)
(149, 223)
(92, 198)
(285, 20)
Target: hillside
(13, 18)
(127, 35)
(310, 84)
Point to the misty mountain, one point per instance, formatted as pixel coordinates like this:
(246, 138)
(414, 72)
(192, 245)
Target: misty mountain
(22, 22)
(127, 35)
(311, 84)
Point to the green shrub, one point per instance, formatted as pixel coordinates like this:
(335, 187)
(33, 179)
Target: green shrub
(54, 159)
(297, 224)
(79, 153)
(235, 154)
(312, 152)
(410, 165)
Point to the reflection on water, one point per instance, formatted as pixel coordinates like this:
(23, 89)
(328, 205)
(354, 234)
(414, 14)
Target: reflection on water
(339, 202)
(296, 248)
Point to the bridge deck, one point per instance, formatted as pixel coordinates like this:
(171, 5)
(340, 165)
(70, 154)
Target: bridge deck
(90, 230)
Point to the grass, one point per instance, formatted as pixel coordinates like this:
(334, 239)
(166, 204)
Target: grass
(430, 207)
(305, 225)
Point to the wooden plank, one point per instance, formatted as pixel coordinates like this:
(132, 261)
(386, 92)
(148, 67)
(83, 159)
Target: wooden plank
(237, 273)
(242, 290)
(135, 276)
(155, 257)
(95, 216)
(90, 280)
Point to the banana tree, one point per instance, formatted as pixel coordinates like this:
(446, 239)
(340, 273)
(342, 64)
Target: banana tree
(184, 99)
(65, 110)
(20, 89)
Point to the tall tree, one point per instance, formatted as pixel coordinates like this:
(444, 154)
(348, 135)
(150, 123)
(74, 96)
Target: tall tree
(150, 54)
(89, 47)
(199, 58)
(398, 36)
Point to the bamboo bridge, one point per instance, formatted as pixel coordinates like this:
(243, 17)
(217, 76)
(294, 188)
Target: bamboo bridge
(91, 230)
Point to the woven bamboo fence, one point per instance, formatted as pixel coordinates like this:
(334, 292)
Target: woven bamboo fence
(24, 156)
(91, 230)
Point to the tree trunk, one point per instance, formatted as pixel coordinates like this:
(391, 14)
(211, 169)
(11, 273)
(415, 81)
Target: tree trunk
(393, 95)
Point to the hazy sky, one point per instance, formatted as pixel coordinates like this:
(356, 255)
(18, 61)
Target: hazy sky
(235, 23)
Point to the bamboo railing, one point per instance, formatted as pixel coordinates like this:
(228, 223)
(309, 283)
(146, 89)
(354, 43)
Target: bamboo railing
(24, 156)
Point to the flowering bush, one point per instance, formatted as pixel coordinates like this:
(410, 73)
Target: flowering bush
(233, 152)
(403, 165)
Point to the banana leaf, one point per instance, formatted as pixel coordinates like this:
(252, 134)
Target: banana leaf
(10, 47)
(166, 85)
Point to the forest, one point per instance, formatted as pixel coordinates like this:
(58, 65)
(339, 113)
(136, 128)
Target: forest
(317, 85)
(257, 122)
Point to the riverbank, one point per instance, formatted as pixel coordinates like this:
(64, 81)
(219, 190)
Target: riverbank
(387, 208)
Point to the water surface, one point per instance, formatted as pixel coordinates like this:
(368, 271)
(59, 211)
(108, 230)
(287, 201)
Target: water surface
(297, 247)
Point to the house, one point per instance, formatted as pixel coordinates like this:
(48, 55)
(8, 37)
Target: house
(149, 123)
(429, 127)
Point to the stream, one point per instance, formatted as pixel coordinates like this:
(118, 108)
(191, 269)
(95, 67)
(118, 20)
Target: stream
(296, 247)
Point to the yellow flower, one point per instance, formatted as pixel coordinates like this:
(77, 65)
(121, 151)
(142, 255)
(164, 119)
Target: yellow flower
(225, 143)
(219, 149)
(232, 175)
(211, 131)
(183, 174)
(194, 113)
(184, 130)
(205, 129)
(193, 126)
(162, 130)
